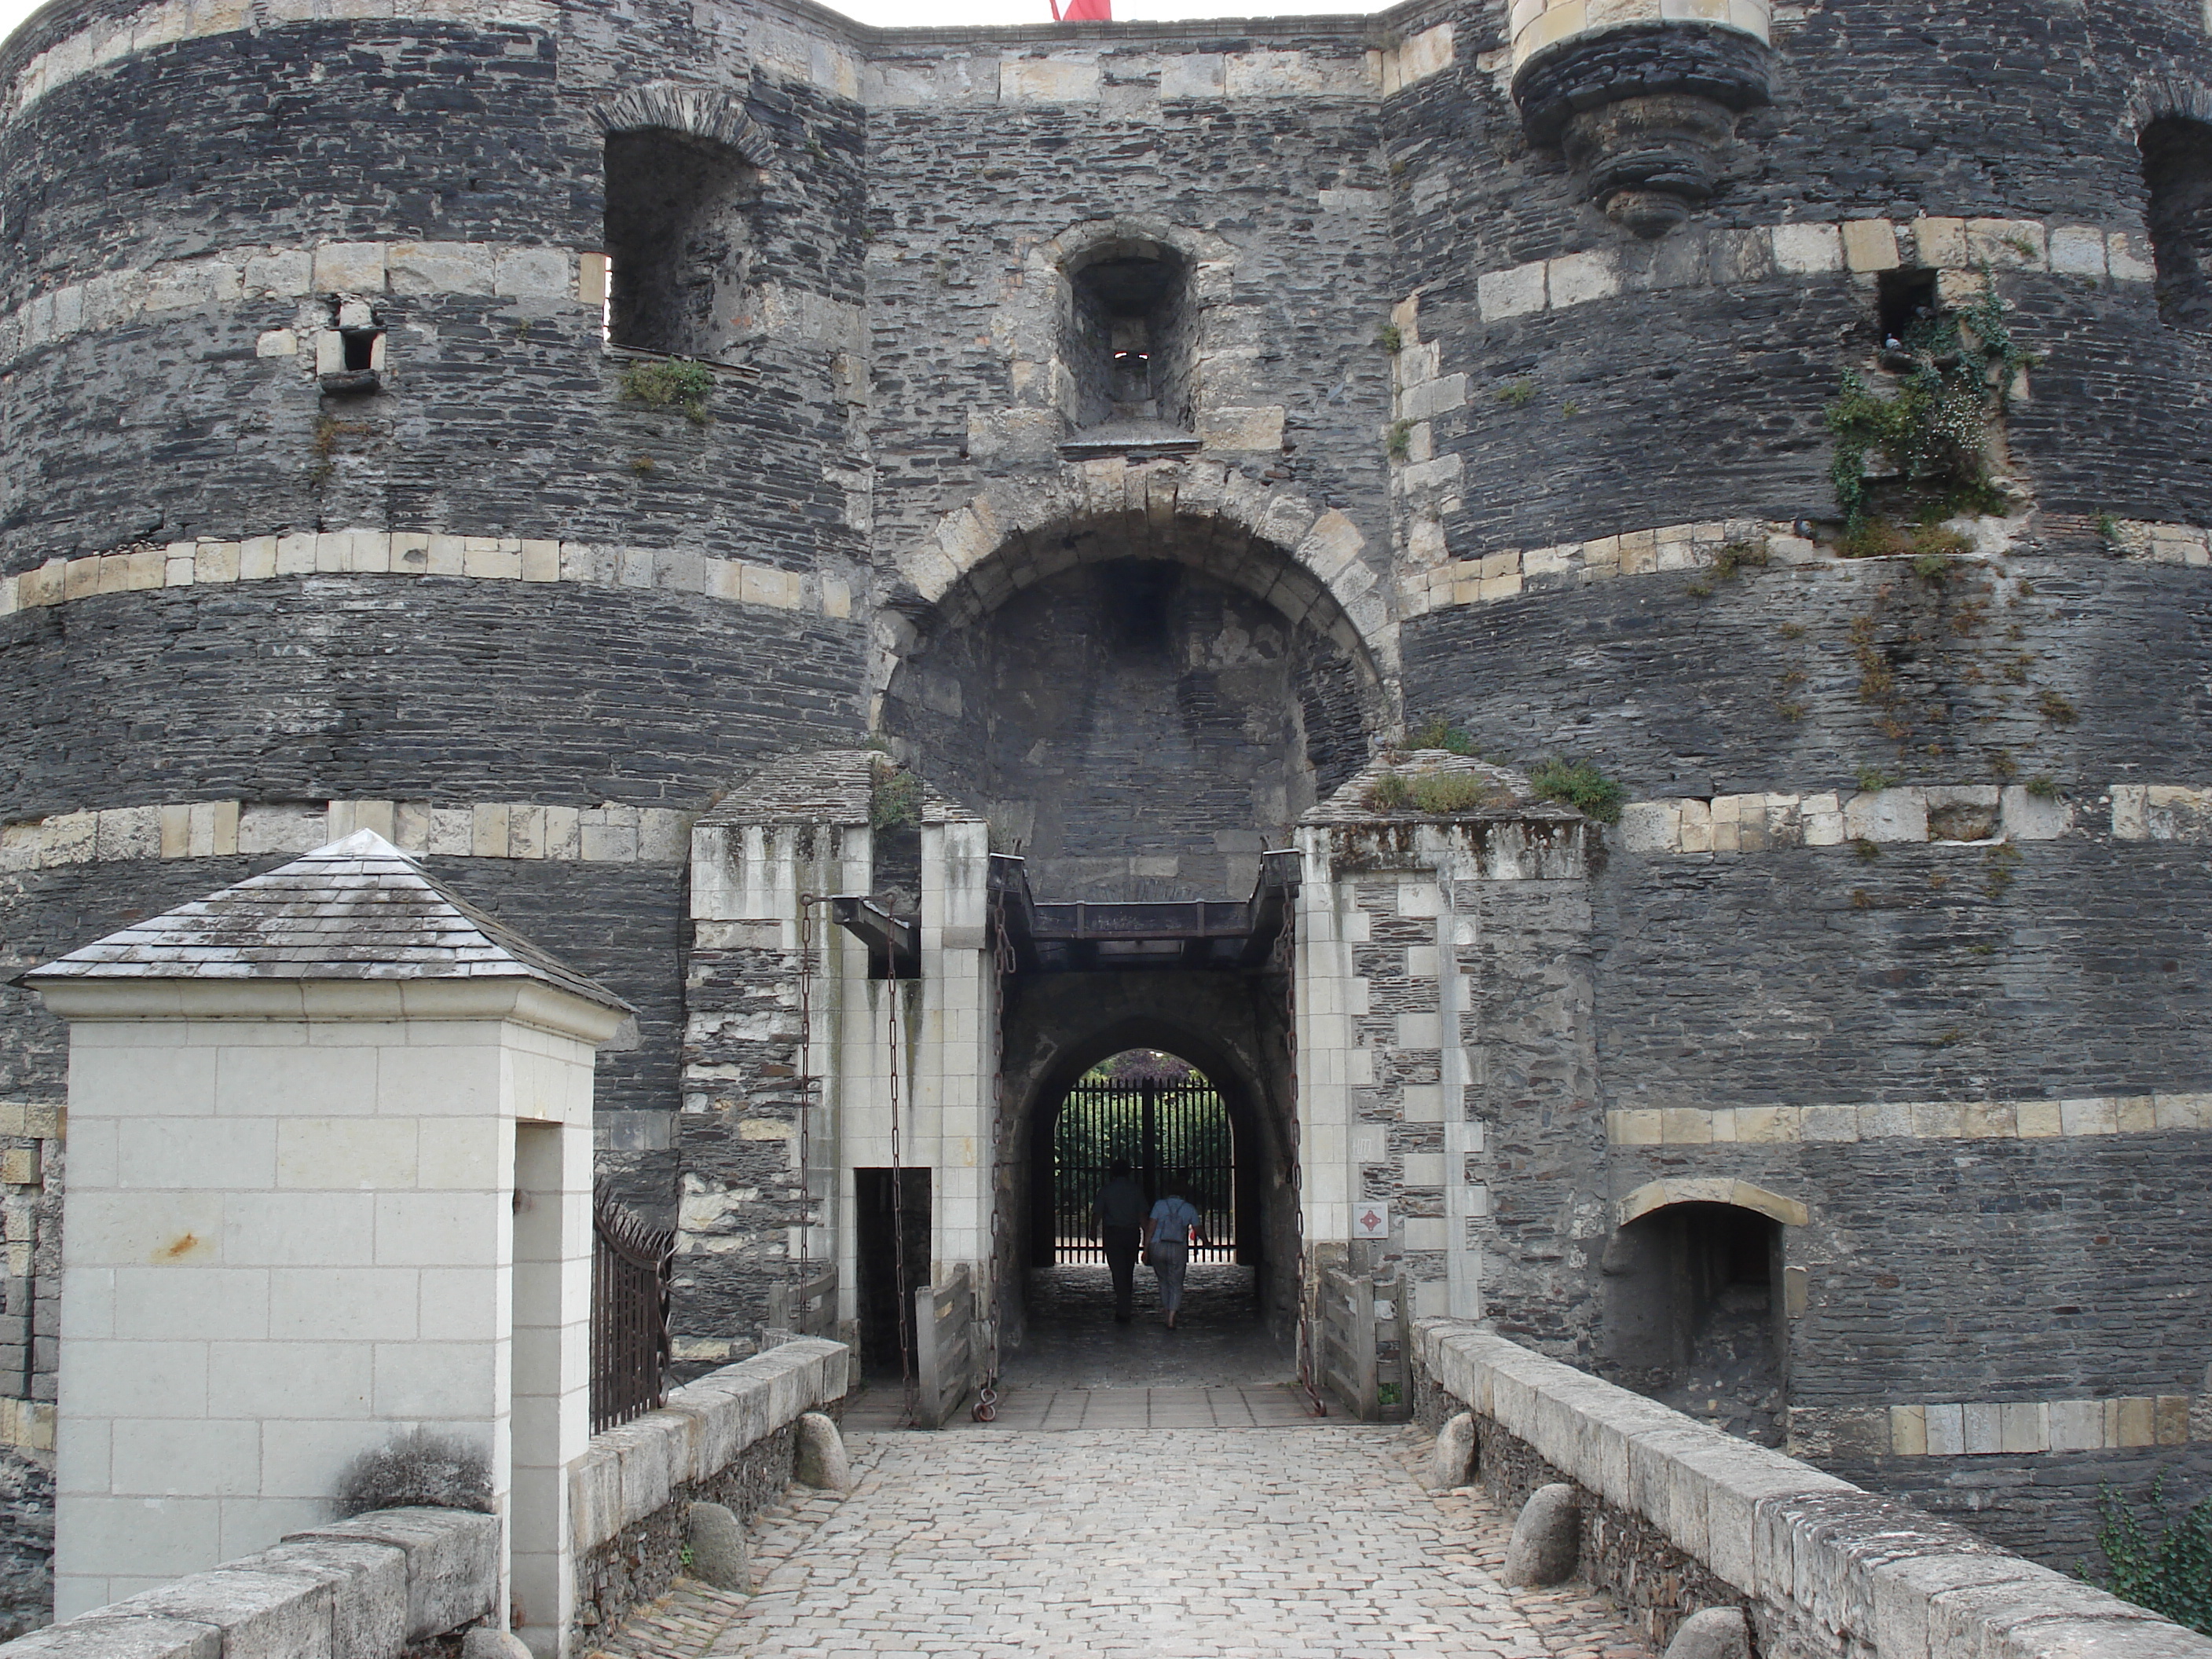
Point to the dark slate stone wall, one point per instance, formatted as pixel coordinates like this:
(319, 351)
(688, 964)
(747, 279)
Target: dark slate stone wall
(2045, 1506)
(2091, 1259)
(957, 191)
(620, 924)
(497, 416)
(1812, 976)
(1804, 976)
(1705, 402)
(1930, 973)
(442, 689)
(1678, 694)
(1132, 710)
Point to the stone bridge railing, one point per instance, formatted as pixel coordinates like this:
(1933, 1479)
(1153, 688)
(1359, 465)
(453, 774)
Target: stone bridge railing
(1676, 1518)
(369, 1587)
(684, 1478)
(688, 1476)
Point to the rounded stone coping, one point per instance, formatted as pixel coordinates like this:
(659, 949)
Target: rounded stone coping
(1816, 1554)
(360, 1589)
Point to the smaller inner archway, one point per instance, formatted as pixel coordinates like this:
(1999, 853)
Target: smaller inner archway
(1694, 1314)
(1213, 1038)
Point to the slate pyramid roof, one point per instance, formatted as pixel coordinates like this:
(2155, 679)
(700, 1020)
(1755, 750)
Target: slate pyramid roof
(358, 908)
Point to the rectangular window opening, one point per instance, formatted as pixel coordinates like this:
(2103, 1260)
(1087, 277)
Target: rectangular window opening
(1904, 297)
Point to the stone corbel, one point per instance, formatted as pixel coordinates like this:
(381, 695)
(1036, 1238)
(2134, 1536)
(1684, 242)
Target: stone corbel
(1645, 113)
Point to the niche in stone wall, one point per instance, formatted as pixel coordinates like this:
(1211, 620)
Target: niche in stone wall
(678, 243)
(2177, 168)
(1129, 338)
(1694, 1314)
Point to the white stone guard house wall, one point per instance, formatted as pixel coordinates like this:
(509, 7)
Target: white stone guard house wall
(330, 1180)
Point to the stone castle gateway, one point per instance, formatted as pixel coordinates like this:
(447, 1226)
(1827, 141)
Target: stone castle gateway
(610, 456)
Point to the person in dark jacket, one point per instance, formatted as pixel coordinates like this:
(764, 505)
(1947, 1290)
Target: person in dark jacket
(1120, 1209)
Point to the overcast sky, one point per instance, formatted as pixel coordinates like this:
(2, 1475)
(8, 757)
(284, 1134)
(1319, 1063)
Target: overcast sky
(946, 13)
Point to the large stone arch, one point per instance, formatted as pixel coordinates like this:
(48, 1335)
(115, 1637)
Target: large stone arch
(2168, 92)
(1144, 673)
(1739, 1194)
(1307, 560)
(706, 112)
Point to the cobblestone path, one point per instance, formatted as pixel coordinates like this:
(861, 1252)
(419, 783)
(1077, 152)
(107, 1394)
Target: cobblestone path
(1305, 1543)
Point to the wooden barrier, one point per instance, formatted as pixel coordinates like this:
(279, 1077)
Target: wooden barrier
(1363, 1347)
(802, 1307)
(944, 1347)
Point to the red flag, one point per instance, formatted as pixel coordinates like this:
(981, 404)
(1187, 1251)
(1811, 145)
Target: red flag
(1084, 11)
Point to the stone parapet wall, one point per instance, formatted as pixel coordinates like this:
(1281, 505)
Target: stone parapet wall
(364, 1588)
(1678, 1516)
(727, 1438)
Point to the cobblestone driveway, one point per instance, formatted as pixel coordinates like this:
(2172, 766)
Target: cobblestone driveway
(1304, 1543)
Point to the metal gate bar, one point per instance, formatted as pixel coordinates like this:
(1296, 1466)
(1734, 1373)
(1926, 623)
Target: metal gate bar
(1161, 1127)
(629, 1313)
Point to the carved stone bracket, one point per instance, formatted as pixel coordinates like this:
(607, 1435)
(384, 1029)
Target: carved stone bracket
(1646, 114)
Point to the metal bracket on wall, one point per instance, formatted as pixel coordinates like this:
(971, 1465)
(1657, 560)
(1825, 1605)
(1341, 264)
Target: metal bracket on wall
(894, 943)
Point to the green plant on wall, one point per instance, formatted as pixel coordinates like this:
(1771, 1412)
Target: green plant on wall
(1580, 785)
(2163, 1562)
(894, 797)
(685, 388)
(1935, 429)
(1438, 732)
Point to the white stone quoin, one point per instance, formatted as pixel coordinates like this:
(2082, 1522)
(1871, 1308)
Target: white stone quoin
(330, 1180)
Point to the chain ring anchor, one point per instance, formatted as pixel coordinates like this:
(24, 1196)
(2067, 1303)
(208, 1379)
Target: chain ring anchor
(986, 1404)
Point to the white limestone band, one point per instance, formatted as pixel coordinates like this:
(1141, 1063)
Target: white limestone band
(229, 829)
(1959, 247)
(422, 553)
(2160, 1112)
(1990, 1428)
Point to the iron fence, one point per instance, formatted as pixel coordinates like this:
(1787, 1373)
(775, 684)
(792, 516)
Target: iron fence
(1161, 1128)
(630, 1313)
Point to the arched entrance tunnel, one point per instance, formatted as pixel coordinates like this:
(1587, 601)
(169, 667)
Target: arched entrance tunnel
(1142, 708)
(1229, 1030)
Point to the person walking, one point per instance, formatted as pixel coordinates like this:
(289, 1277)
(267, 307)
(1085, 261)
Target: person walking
(1169, 1230)
(1120, 1211)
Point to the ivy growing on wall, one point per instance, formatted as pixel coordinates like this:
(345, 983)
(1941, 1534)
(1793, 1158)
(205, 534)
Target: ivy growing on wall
(1936, 430)
(2163, 1564)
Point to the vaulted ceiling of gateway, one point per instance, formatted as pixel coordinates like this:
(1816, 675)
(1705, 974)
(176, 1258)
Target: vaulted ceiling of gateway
(1137, 728)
